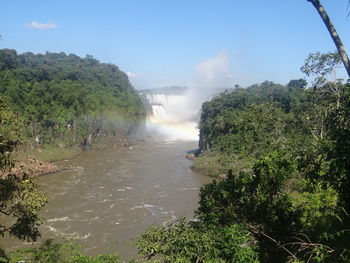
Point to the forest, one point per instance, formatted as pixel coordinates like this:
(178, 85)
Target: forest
(67, 100)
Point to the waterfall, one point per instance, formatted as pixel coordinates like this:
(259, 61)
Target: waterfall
(171, 116)
(158, 114)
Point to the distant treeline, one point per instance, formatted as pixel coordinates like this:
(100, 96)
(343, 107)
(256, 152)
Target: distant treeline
(66, 97)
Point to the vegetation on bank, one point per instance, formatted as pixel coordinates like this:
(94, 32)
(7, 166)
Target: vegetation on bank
(238, 126)
(65, 100)
(20, 199)
(52, 252)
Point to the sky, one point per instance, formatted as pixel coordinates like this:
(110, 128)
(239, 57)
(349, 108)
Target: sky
(175, 42)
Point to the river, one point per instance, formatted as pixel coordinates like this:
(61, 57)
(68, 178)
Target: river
(107, 197)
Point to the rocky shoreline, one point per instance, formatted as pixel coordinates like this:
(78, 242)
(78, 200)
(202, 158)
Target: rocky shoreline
(34, 167)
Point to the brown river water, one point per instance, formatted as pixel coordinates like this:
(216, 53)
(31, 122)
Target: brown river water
(109, 196)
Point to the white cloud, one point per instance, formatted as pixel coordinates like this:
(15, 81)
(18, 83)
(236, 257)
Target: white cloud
(210, 75)
(132, 75)
(214, 73)
(214, 68)
(42, 26)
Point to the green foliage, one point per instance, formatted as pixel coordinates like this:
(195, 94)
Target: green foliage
(321, 64)
(184, 241)
(338, 151)
(260, 198)
(65, 96)
(318, 208)
(20, 199)
(51, 252)
(247, 123)
(11, 129)
(276, 204)
(216, 164)
(286, 154)
(3, 256)
(297, 84)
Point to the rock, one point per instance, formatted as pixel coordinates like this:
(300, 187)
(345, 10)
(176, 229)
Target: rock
(191, 156)
(34, 167)
(222, 176)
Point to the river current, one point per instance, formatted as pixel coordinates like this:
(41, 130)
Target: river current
(107, 197)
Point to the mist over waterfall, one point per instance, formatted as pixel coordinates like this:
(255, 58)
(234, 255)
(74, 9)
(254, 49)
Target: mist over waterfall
(175, 110)
(171, 118)
(169, 108)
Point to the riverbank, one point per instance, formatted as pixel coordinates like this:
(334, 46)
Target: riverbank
(217, 165)
(35, 167)
(43, 161)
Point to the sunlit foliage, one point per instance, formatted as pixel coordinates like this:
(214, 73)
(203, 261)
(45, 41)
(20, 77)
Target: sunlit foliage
(65, 97)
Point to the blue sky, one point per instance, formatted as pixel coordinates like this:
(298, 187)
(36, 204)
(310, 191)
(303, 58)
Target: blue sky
(162, 42)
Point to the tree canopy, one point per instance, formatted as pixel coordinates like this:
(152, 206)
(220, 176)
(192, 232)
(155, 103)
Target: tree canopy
(65, 96)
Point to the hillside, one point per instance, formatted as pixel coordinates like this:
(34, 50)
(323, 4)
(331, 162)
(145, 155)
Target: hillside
(237, 127)
(67, 100)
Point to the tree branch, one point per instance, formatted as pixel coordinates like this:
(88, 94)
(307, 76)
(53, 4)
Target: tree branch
(334, 35)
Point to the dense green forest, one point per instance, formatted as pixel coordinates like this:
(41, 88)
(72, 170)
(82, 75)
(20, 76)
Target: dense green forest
(238, 126)
(67, 100)
(282, 153)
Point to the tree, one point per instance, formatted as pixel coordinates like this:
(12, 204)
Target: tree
(297, 83)
(20, 200)
(331, 29)
(51, 252)
(188, 241)
(54, 91)
(321, 65)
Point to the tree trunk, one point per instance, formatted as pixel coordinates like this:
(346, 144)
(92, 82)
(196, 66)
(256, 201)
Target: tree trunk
(341, 49)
